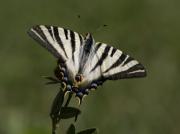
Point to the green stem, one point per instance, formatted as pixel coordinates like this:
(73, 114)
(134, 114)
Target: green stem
(53, 128)
(66, 104)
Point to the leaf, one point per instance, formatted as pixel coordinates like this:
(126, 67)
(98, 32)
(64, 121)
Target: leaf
(52, 80)
(76, 117)
(56, 105)
(55, 110)
(88, 131)
(71, 129)
(69, 112)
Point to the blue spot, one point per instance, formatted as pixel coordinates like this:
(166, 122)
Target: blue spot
(86, 91)
(65, 79)
(69, 88)
(99, 82)
(94, 85)
(79, 94)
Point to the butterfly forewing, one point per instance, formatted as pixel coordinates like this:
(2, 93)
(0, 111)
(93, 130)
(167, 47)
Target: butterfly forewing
(117, 65)
(64, 44)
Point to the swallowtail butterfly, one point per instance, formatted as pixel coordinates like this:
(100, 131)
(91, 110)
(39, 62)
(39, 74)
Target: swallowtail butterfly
(84, 64)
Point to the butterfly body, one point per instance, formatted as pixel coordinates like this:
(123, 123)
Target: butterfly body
(84, 64)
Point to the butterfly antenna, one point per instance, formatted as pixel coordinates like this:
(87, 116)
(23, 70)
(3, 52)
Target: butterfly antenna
(99, 28)
(78, 16)
(80, 22)
(96, 30)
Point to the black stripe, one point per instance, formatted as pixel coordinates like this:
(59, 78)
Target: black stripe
(80, 38)
(87, 47)
(122, 57)
(103, 57)
(128, 74)
(72, 43)
(97, 47)
(58, 39)
(128, 60)
(49, 30)
(124, 75)
(117, 63)
(89, 41)
(113, 51)
(66, 33)
(44, 43)
(136, 67)
(40, 32)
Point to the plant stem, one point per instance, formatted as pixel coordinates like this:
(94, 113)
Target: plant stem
(66, 104)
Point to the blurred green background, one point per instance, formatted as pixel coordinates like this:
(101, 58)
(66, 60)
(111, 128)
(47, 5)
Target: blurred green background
(148, 30)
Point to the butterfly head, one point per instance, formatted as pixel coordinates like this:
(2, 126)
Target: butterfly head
(87, 35)
(89, 40)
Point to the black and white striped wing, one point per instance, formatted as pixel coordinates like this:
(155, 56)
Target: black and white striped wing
(114, 64)
(64, 44)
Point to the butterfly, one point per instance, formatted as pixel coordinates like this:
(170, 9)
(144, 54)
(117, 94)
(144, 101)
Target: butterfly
(84, 64)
